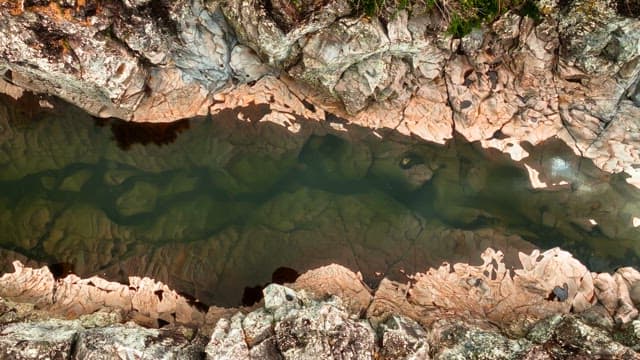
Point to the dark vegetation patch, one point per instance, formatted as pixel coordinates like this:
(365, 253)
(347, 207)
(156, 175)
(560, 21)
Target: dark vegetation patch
(465, 15)
(461, 15)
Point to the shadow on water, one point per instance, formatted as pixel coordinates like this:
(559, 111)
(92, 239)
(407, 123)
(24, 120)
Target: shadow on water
(127, 134)
(217, 208)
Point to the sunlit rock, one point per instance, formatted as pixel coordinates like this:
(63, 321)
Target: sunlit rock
(49, 339)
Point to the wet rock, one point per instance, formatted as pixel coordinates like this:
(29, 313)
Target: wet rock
(27, 284)
(403, 338)
(477, 289)
(292, 324)
(52, 339)
(143, 300)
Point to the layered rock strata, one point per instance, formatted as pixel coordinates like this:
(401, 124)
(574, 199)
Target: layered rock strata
(573, 75)
(552, 307)
(547, 283)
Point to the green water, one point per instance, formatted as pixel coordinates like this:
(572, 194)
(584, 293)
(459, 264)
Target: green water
(213, 205)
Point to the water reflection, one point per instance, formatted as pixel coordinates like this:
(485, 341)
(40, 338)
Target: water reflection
(214, 207)
(127, 134)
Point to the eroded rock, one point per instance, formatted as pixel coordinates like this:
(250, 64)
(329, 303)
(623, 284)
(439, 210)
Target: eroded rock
(143, 300)
(298, 325)
(50, 339)
(574, 74)
(124, 341)
(403, 338)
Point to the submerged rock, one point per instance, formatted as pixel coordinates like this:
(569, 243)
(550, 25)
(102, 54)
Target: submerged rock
(572, 74)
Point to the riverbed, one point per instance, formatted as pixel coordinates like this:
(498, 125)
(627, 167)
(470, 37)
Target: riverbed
(218, 206)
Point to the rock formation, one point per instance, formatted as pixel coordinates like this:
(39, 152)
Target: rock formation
(573, 74)
(550, 307)
(210, 207)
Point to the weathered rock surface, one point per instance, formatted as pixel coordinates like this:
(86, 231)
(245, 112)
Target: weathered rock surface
(72, 339)
(40, 340)
(143, 300)
(572, 75)
(135, 342)
(547, 283)
(403, 338)
(344, 284)
(435, 315)
(292, 326)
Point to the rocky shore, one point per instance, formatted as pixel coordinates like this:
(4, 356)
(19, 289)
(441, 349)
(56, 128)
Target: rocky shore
(550, 307)
(572, 74)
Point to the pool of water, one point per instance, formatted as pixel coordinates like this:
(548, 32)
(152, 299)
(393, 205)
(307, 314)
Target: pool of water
(214, 206)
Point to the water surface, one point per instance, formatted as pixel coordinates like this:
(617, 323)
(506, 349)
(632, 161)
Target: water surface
(214, 205)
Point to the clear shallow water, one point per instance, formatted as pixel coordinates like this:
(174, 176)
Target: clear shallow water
(211, 206)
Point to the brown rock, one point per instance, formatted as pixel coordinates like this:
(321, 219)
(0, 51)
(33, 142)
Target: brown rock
(339, 281)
